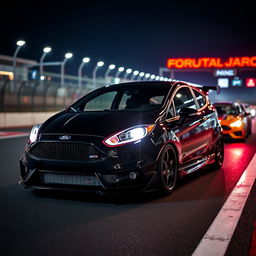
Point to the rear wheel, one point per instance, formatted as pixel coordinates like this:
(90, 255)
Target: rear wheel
(219, 154)
(168, 169)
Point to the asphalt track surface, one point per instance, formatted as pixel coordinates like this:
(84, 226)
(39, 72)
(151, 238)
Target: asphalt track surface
(57, 223)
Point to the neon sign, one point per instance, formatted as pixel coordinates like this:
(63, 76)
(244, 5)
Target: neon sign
(231, 62)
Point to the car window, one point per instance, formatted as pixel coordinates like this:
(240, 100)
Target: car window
(200, 99)
(146, 97)
(171, 112)
(227, 109)
(103, 101)
(184, 99)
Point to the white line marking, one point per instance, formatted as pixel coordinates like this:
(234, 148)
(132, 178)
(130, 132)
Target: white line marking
(218, 236)
(14, 136)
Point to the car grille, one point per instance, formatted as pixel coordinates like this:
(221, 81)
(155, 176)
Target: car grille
(69, 179)
(226, 128)
(238, 133)
(65, 151)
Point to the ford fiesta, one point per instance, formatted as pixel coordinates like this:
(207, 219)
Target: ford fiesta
(129, 137)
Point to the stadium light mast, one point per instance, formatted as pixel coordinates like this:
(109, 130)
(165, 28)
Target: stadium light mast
(19, 44)
(120, 70)
(84, 61)
(128, 71)
(99, 65)
(46, 50)
(110, 67)
(68, 55)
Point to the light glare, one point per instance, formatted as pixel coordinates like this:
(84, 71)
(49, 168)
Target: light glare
(20, 42)
(112, 66)
(86, 59)
(68, 55)
(47, 49)
(100, 63)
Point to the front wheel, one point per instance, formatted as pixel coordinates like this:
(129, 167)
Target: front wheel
(168, 169)
(219, 154)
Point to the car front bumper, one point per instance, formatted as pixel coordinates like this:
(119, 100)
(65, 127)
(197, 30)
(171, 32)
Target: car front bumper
(127, 169)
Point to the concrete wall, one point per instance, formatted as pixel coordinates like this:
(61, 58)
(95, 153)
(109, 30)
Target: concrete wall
(23, 119)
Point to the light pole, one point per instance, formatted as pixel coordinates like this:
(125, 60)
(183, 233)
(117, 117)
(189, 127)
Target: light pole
(128, 71)
(110, 67)
(19, 43)
(99, 64)
(146, 76)
(45, 51)
(141, 74)
(120, 69)
(68, 55)
(84, 61)
(152, 77)
(135, 73)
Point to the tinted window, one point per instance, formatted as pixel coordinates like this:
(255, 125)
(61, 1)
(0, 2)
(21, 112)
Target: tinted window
(141, 97)
(103, 101)
(227, 109)
(200, 99)
(184, 99)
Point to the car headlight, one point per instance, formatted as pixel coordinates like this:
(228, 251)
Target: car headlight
(237, 123)
(129, 135)
(34, 133)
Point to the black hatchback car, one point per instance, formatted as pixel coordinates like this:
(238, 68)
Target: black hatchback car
(129, 137)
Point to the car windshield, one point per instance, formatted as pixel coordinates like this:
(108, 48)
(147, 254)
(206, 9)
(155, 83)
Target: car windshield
(134, 97)
(227, 109)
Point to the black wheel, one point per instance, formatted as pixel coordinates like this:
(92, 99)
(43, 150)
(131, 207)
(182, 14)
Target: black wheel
(219, 154)
(168, 169)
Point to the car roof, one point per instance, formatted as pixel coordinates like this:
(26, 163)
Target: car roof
(142, 83)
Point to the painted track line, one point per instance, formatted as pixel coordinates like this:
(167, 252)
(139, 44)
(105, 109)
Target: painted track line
(218, 236)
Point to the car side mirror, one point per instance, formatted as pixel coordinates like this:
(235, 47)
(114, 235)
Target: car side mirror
(188, 112)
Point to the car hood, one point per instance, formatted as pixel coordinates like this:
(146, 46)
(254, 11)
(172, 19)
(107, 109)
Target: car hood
(96, 123)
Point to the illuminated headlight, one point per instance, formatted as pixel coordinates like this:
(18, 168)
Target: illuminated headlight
(34, 133)
(237, 123)
(129, 135)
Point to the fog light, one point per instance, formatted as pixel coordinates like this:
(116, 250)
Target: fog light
(133, 175)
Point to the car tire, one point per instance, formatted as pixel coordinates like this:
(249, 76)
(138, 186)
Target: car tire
(219, 155)
(167, 166)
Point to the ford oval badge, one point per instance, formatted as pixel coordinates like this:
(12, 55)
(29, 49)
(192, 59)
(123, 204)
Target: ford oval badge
(65, 137)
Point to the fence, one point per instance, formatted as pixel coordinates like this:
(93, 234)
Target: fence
(36, 96)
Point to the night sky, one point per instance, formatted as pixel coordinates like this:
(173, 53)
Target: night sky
(134, 34)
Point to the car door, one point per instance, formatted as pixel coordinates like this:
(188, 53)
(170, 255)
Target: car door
(190, 130)
(207, 120)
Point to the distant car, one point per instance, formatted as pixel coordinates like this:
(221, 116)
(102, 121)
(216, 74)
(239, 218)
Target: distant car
(125, 138)
(233, 120)
(247, 112)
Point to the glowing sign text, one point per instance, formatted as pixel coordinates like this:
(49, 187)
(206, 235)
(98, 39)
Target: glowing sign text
(231, 62)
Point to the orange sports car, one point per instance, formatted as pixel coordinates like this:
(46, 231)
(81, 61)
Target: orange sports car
(233, 120)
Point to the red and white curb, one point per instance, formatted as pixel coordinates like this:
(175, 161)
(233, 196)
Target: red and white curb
(218, 236)
(8, 135)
